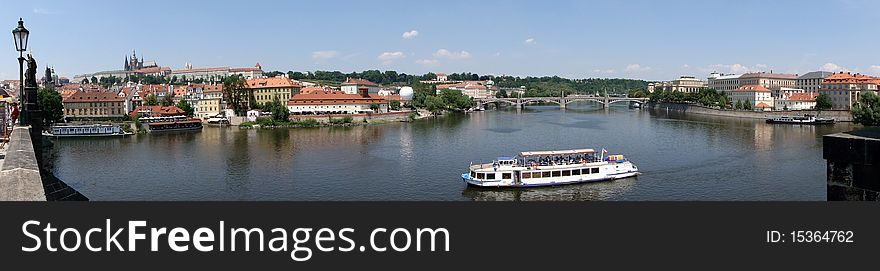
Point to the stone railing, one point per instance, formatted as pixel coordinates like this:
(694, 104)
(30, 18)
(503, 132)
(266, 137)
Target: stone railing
(853, 165)
(20, 178)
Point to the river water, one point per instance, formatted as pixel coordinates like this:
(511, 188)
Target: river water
(682, 157)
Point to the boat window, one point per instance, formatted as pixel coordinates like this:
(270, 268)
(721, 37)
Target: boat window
(595, 170)
(576, 172)
(556, 173)
(527, 175)
(481, 175)
(545, 174)
(473, 174)
(585, 171)
(490, 176)
(505, 176)
(566, 173)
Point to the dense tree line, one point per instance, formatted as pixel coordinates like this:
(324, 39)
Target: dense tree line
(867, 110)
(706, 97)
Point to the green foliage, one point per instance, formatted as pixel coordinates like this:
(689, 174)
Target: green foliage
(167, 100)
(183, 104)
(394, 105)
(344, 120)
(280, 112)
(552, 86)
(374, 107)
(307, 122)
(236, 94)
(867, 110)
(706, 97)
(247, 124)
(49, 101)
(435, 104)
(151, 100)
(421, 92)
(501, 94)
(823, 102)
(454, 99)
(636, 93)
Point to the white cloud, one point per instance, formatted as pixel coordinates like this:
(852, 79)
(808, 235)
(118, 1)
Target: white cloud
(443, 53)
(410, 34)
(831, 67)
(734, 68)
(43, 11)
(875, 68)
(636, 68)
(761, 66)
(388, 57)
(324, 54)
(607, 71)
(685, 66)
(426, 62)
(498, 54)
(530, 41)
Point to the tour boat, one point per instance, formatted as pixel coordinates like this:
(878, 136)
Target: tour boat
(549, 168)
(171, 123)
(92, 130)
(806, 119)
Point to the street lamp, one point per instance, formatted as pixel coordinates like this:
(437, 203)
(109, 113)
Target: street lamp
(20, 35)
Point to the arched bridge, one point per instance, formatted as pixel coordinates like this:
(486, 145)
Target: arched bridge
(561, 101)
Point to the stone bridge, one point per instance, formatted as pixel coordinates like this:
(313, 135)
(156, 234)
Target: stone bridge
(561, 101)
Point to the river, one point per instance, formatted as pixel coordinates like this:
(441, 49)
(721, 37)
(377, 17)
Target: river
(682, 157)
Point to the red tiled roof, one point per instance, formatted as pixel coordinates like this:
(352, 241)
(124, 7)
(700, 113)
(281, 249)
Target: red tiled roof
(333, 97)
(762, 105)
(272, 82)
(357, 81)
(212, 88)
(806, 97)
(752, 88)
(93, 96)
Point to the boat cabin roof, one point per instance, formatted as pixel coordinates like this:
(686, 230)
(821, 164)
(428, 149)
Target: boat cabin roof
(554, 153)
(504, 158)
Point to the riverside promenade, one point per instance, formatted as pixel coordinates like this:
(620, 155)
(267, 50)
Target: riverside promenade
(838, 115)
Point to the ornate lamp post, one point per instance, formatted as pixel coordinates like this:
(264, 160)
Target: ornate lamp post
(20, 35)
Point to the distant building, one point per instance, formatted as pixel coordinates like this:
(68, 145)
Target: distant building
(131, 66)
(94, 104)
(211, 102)
(354, 85)
(845, 89)
(216, 74)
(811, 81)
(334, 102)
(730, 82)
(795, 101)
(442, 77)
(266, 90)
(157, 111)
(686, 84)
(758, 96)
(473, 89)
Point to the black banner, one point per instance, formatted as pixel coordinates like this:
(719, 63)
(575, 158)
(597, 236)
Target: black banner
(465, 236)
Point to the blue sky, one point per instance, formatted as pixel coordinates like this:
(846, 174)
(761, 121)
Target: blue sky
(654, 40)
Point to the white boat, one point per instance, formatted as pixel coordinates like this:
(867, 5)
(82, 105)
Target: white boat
(92, 130)
(549, 168)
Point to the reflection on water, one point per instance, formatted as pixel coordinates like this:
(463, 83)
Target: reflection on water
(682, 157)
(581, 192)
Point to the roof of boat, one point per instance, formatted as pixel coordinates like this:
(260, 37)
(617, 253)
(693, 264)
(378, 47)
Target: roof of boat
(560, 152)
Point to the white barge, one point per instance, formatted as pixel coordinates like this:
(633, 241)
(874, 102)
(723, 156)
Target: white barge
(549, 168)
(92, 130)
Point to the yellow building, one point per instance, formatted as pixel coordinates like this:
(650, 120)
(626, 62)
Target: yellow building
(99, 104)
(211, 102)
(267, 89)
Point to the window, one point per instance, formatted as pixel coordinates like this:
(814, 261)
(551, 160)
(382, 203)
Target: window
(473, 174)
(527, 175)
(505, 176)
(595, 170)
(545, 174)
(556, 173)
(566, 173)
(481, 176)
(576, 172)
(585, 171)
(490, 176)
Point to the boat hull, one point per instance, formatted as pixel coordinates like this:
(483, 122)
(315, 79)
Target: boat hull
(554, 181)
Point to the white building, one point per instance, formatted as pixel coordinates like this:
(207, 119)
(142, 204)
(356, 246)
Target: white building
(795, 101)
(845, 89)
(355, 86)
(758, 96)
(729, 82)
(811, 81)
(321, 102)
(686, 84)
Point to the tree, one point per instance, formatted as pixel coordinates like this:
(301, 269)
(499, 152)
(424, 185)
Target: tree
(501, 94)
(279, 111)
(49, 101)
(236, 94)
(394, 105)
(94, 80)
(867, 110)
(747, 105)
(151, 100)
(375, 107)
(435, 104)
(167, 100)
(823, 102)
(185, 106)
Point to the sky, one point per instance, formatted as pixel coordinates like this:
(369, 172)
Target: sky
(651, 40)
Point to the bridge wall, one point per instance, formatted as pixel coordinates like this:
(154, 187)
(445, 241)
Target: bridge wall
(20, 173)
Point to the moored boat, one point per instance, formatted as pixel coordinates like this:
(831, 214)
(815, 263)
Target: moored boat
(90, 130)
(549, 168)
(171, 123)
(805, 119)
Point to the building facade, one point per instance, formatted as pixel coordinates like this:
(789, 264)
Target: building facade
(811, 81)
(354, 86)
(211, 102)
(86, 104)
(730, 82)
(845, 89)
(216, 74)
(686, 84)
(266, 90)
(334, 102)
(795, 101)
(758, 96)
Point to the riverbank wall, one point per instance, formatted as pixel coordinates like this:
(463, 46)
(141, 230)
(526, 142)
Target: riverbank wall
(838, 115)
(359, 118)
(853, 162)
